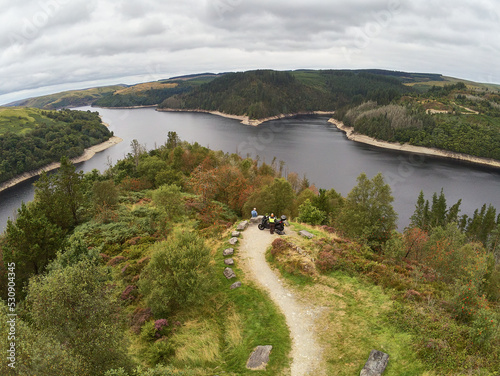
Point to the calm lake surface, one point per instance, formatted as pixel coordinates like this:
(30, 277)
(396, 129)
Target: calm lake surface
(307, 145)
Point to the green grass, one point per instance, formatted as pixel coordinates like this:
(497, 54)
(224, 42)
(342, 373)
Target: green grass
(359, 316)
(19, 120)
(259, 321)
(311, 78)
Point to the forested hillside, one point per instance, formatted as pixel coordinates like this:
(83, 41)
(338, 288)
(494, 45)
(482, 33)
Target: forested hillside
(143, 94)
(265, 93)
(121, 273)
(453, 117)
(32, 138)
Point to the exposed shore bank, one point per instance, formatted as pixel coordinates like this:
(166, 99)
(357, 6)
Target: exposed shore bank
(87, 154)
(126, 108)
(245, 119)
(351, 135)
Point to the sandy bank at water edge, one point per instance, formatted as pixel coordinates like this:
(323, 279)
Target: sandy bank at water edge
(87, 154)
(351, 135)
(245, 119)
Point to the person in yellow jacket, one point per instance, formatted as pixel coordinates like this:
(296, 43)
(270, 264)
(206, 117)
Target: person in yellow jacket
(272, 223)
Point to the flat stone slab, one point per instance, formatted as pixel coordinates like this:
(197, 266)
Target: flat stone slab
(306, 234)
(229, 261)
(256, 219)
(228, 252)
(235, 234)
(235, 285)
(259, 358)
(242, 226)
(376, 363)
(229, 273)
(233, 241)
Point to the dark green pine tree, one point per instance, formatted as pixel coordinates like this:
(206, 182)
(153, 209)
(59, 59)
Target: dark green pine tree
(452, 215)
(418, 219)
(31, 241)
(438, 210)
(60, 195)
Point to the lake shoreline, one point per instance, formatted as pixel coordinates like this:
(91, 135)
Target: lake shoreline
(126, 108)
(87, 154)
(245, 119)
(353, 136)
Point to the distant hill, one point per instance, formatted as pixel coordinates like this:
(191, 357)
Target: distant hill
(72, 98)
(152, 93)
(265, 93)
(258, 94)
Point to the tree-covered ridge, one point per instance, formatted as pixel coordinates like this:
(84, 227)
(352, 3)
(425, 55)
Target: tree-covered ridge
(452, 118)
(150, 96)
(265, 93)
(136, 252)
(32, 138)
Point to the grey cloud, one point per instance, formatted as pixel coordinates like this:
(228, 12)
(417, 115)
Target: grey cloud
(91, 40)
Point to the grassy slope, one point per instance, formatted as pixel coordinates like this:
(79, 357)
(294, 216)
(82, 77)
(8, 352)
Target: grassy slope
(73, 98)
(360, 313)
(426, 85)
(353, 320)
(215, 337)
(20, 120)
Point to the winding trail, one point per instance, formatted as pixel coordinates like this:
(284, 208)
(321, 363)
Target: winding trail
(306, 354)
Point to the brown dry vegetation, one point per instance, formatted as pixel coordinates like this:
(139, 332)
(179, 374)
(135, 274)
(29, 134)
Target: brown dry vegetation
(144, 87)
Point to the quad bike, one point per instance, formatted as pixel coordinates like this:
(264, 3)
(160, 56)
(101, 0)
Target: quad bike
(279, 224)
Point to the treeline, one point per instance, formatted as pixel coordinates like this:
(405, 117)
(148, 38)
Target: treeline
(68, 134)
(140, 98)
(483, 226)
(265, 93)
(472, 134)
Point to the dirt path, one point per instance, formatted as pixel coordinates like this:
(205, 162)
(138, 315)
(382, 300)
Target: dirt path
(306, 353)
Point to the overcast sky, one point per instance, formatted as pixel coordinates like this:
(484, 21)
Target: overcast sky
(48, 46)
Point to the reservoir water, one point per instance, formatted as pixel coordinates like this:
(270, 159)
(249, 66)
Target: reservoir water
(307, 145)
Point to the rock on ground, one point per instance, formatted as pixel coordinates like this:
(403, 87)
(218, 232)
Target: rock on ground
(229, 273)
(228, 252)
(242, 226)
(235, 285)
(306, 234)
(376, 363)
(259, 358)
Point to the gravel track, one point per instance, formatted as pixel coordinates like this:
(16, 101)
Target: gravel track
(305, 354)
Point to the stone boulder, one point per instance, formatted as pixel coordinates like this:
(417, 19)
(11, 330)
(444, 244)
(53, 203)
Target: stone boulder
(233, 241)
(229, 273)
(235, 234)
(242, 226)
(229, 261)
(259, 358)
(306, 234)
(235, 285)
(228, 252)
(376, 363)
(257, 219)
